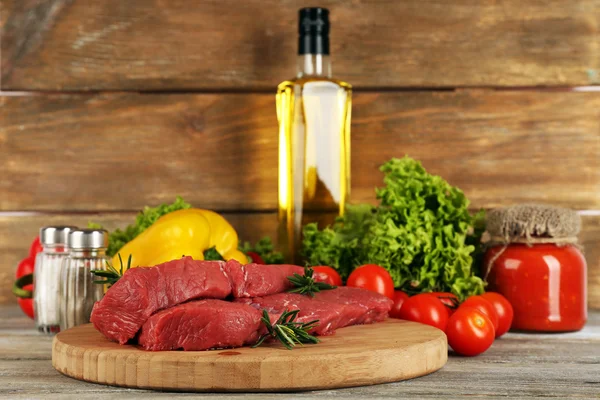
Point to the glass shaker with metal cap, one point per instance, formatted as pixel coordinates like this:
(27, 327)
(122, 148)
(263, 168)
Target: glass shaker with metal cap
(78, 291)
(46, 282)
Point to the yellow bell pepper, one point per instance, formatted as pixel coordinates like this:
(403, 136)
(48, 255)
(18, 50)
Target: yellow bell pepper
(185, 232)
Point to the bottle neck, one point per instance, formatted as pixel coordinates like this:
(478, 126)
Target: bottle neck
(314, 65)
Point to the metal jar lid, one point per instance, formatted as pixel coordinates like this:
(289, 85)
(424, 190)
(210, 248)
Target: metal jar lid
(88, 239)
(55, 235)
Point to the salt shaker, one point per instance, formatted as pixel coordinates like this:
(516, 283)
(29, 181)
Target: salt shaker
(78, 290)
(46, 282)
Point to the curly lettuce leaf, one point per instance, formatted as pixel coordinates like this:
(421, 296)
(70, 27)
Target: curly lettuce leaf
(338, 246)
(265, 249)
(421, 232)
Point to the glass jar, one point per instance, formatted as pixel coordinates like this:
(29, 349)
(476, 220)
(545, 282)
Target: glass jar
(46, 279)
(545, 283)
(78, 291)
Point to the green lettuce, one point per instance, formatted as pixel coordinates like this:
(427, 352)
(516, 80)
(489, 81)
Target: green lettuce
(265, 249)
(421, 232)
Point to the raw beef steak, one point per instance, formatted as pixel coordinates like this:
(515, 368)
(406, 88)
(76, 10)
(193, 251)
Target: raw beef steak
(201, 325)
(142, 291)
(340, 308)
(259, 280)
(375, 306)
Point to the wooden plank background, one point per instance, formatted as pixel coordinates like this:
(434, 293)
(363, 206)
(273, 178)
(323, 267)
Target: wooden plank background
(88, 152)
(80, 142)
(251, 44)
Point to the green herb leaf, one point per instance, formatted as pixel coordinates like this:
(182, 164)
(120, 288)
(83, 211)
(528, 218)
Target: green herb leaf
(305, 284)
(213, 254)
(265, 249)
(287, 331)
(111, 274)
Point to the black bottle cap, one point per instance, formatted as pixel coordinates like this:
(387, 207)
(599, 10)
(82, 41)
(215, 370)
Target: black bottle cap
(313, 29)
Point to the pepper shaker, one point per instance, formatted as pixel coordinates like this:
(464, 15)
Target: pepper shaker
(47, 277)
(78, 290)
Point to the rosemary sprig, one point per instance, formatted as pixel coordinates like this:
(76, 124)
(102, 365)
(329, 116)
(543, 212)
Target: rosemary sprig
(306, 284)
(111, 274)
(287, 331)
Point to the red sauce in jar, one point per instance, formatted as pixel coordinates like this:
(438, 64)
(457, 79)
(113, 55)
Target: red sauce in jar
(545, 283)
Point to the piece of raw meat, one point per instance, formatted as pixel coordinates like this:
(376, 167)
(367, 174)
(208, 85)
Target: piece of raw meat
(252, 280)
(142, 291)
(336, 310)
(375, 306)
(201, 325)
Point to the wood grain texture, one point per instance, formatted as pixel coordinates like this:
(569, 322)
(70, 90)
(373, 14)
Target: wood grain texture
(219, 151)
(516, 366)
(251, 44)
(354, 356)
(590, 240)
(17, 232)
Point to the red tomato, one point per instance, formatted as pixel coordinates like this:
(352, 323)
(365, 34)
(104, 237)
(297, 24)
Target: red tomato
(425, 309)
(25, 267)
(503, 309)
(372, 277)
(325, 274)
(255, 257)
(470, 332)
(484, 306)
(399, 299)
(35, 247)
(448, 299)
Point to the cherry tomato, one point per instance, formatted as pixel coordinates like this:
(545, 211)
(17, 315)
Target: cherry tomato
(35, 247)
(25, 267)
(26, 304)
(425, 309)
(448, 299)
(399, 299)
(469, 331)
(504, 310)
(372, 277)
(256, 259)
(484, 306)
(323, 273)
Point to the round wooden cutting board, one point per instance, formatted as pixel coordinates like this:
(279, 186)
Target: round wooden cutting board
(358, 355)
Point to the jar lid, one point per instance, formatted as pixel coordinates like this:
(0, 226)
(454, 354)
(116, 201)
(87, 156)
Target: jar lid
(533, 221)
(88, 239)
(55, 235)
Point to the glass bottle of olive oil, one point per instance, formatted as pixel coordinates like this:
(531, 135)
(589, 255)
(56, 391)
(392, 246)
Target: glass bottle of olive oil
(314, 137)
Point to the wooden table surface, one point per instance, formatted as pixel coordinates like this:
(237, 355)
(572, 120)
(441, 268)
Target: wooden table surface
(518, 365)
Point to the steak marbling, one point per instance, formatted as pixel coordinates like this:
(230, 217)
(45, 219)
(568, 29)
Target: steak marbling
(260, 280)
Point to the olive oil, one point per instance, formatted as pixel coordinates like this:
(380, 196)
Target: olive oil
(314, 113)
